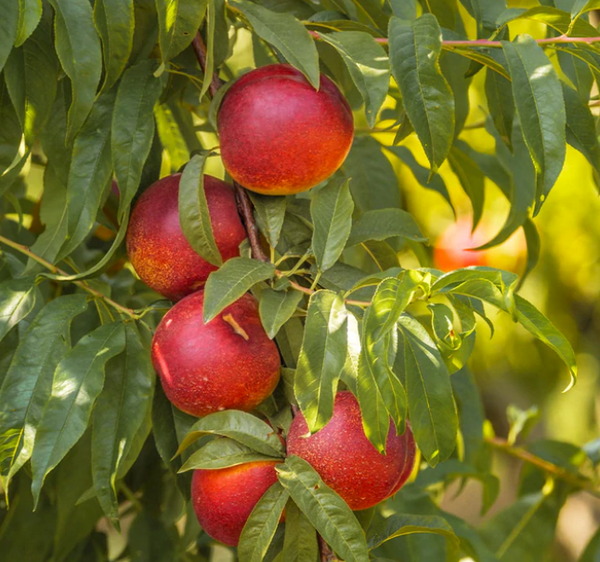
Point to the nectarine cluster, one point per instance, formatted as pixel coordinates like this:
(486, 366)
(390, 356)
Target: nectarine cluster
(278, 136)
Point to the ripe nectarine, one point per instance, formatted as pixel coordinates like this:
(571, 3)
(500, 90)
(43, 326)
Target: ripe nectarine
(279, 135)
(228, 363)
(347, 461)
(223, 499)
(157, 247)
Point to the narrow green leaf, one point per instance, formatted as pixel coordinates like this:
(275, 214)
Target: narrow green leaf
(415, 48)
(231, 281)
(194, 215)
(222, 453)
(10, 133)
(322, 358)
(580, 7)
(553, 17)
(287, 35)
(367, 64)
(28, 381)
(300, 543)
(90, 173)
(385, 223)
(329, 514)
(178, 22)
(536, 323)
(270, 214)
(331, 212)
(276, 308)
(541, 109)
(115, 22)
(31, 74)
(17, 299)
(118, 415)
(8, 28)
(239, 426)
(404, 9)
(170, 137)
(78, 381)
(400, 525)
(430, 401)
(79, 51)
(30, 14)
(133, 128)
(260, 528)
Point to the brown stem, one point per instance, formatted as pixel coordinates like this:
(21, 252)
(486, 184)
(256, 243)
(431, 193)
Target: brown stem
(327, 555)
(82, 284)
(557, 471)
(245, 209)
(200, 49)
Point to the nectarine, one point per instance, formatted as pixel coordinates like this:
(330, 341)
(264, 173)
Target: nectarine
(228, 363)
(157, 247)
(223, 499)
(279, 135)
(347, 461)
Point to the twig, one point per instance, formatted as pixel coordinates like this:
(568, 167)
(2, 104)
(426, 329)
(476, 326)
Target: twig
(243, 201)
(82, 284)
(327, 555)
(546, 466)
(245, 210)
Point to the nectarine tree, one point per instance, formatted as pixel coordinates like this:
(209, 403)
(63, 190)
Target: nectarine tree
(224, 334)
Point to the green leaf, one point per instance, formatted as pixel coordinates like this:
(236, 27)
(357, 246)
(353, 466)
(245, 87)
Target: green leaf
(270, 214)
(329, 514)
(231, 281)
(541, 109)
(300, 543)
(222, 453)
(400, 525)
(374, 184)
(115, 22)
(287, 35)
(8, 28)
(322, 358)
(29, 378)
(194, 215)
(383, 224)
(581, 127)
(536, 323)
(259, 530)
(276, 308)
(79, 51)
(150, 540)
(78, 380)
(415, 48)
(30, 14)
(592, 550)
(31, 74)
(367, 64)
(471, 179)
(170, 137)
(118, 416)
(331, 212)
(90, 173)
(404, 9)
(10, 133)
(580, 7)
(239, 426)
(552, 17)
(17, 299)
(133, 128)
(178, 22)
(430, 401)
(500, 100)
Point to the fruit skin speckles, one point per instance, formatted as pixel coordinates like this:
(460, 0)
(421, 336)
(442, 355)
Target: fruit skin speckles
(205, 368)
(279, 135)
(157, 247)
(347, 461)
(223, 499)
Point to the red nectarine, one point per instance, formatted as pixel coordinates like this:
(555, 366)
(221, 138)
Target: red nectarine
(157, 247)
(279, 135)
(347, 461)
(223, 499)
(228, 363)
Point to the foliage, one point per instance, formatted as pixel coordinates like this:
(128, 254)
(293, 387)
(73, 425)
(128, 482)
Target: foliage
(112, 89)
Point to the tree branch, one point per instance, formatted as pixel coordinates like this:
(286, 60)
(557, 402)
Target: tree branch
(243, 201)
(81, 284)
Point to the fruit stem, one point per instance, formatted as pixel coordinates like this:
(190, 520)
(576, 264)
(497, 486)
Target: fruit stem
(245, 210)
(546, 466)
(81, 284)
